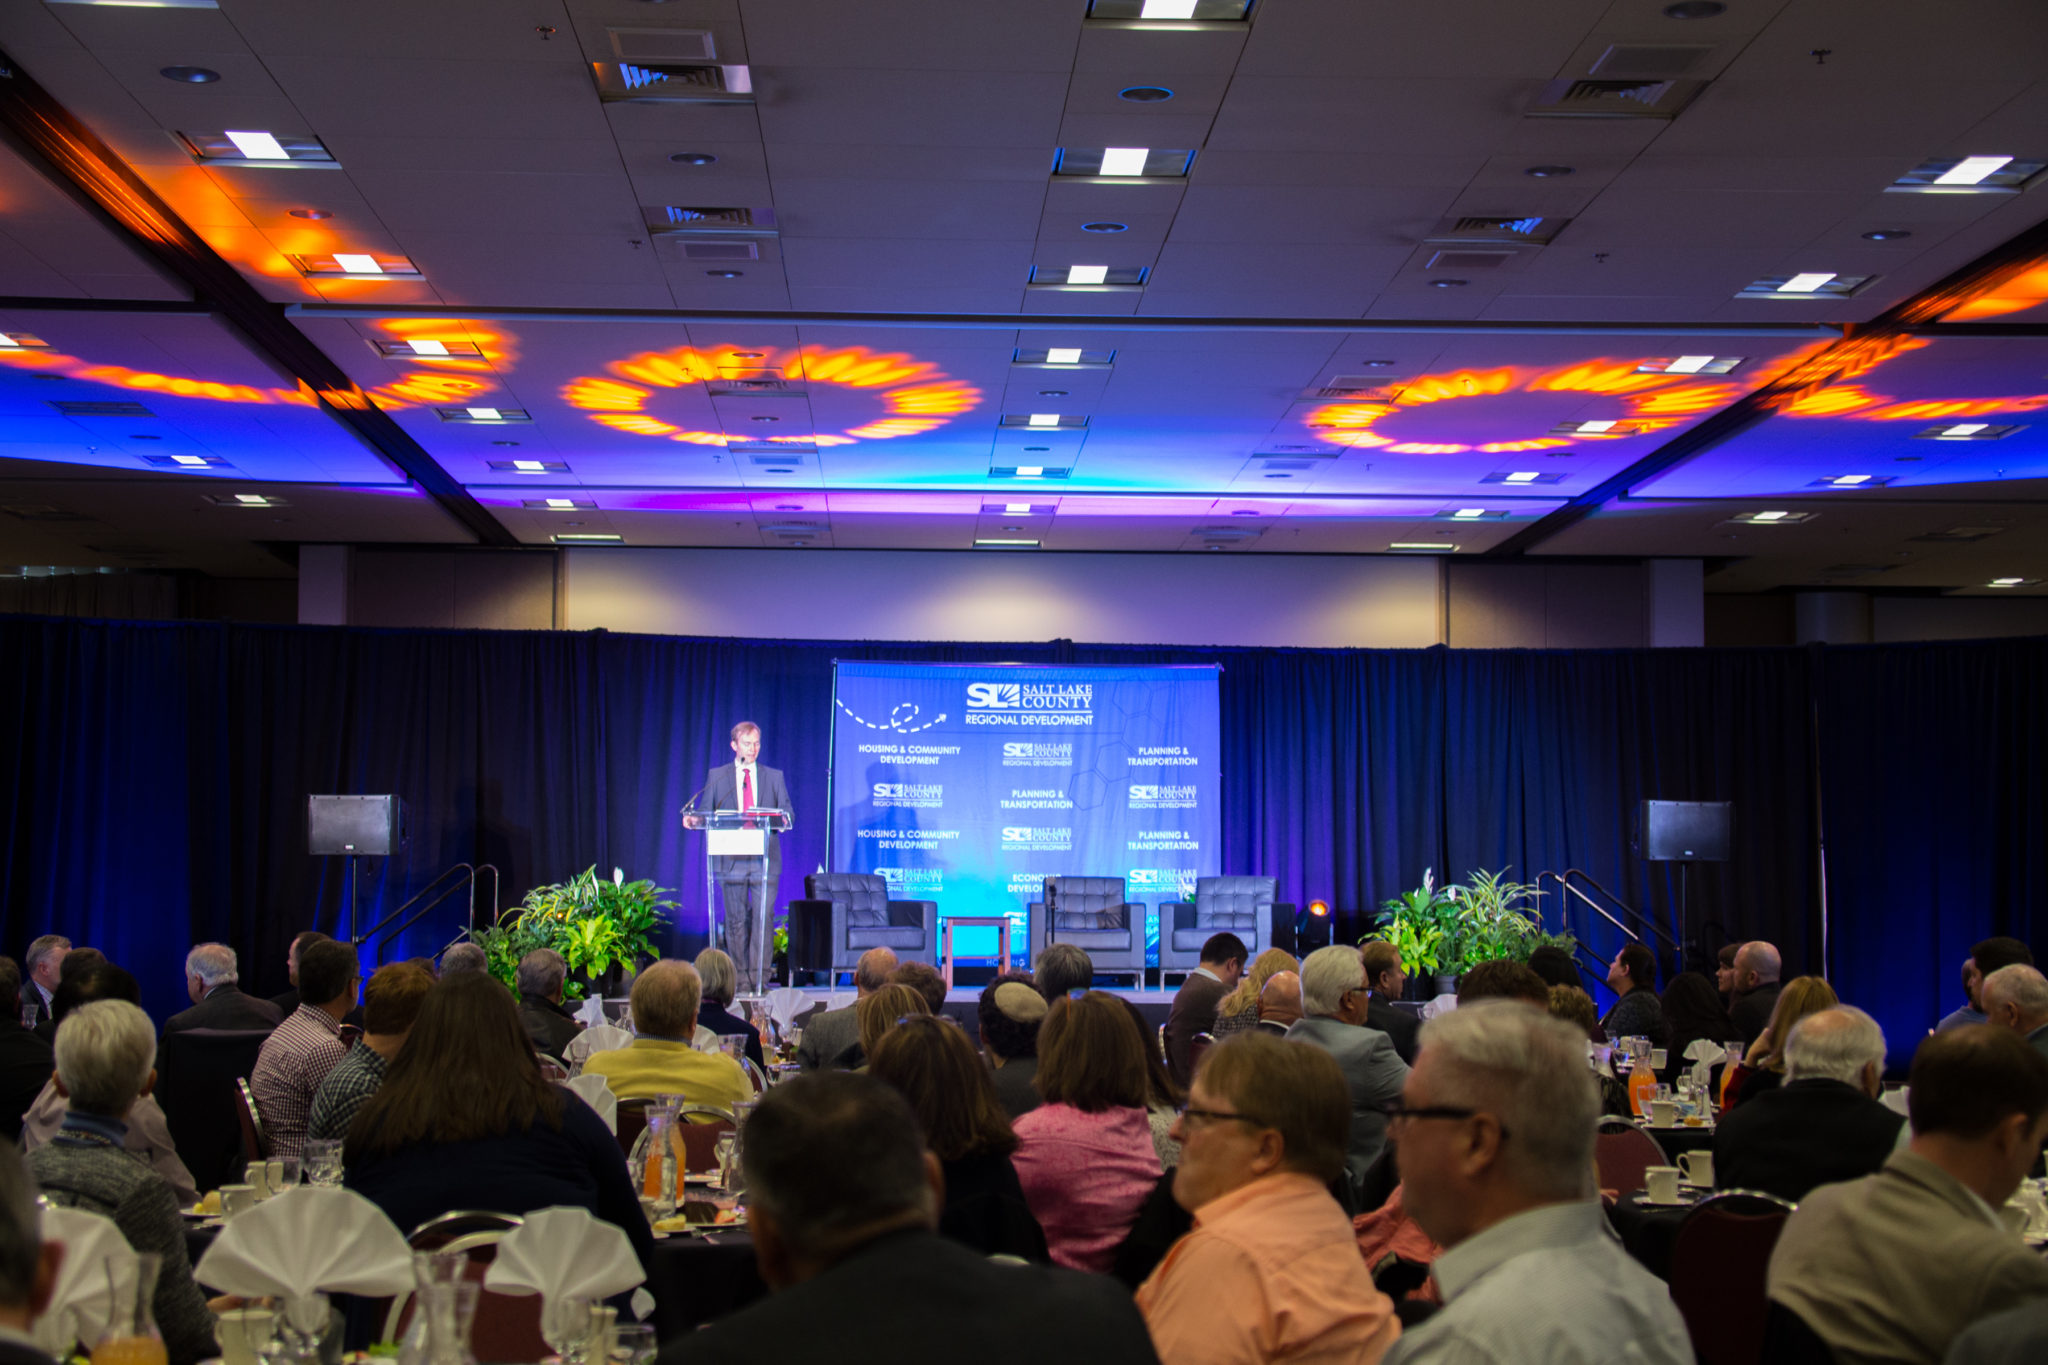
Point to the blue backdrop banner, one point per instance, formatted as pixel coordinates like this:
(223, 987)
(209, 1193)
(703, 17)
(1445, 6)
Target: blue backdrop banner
(968, 784)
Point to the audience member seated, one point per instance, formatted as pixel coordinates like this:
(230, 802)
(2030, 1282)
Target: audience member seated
(43, 961)
(933, 1066)
(1010, 1011)
(1333, 1010)
(1385, 979)
(148, 1134)
(464, 1120)
(1825, 1123)
(834, 1031)
(1756, 988)
(1163, 1097)
(847, 1246)
(391, 1003)
(1504, 979)
(211, 979)
(1694, 1012)
(1638, 1014)
(1495, 1128)
(105, 1051)
(25, 1060)
(721, 984)
(1280, 1004)
(304, 939)
(1724, 970)
(306, 1046)
(2016, 998)
(876, 1014)
(1238, 1011)
(2018, 1336)
(28, 1264)
(1195, 1004)
(1555, 965)
(1763, 1068)
(1891, 1267)
(1984, 959)
(547, 1022)
(77, 961)
(925, 979)
(1062, 969)
(1270, 1270)
(464, 957)
(1575, 1007)
(1085, 1156)
(660, 1060)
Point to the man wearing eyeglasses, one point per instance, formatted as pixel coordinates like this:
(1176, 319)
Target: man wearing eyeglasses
(1495, 1129)
(1333, 1005)
(1270, 1270)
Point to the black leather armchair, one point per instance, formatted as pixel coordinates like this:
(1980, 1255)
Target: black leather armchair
(1092, 914)
(846, 913)
(1245, 906)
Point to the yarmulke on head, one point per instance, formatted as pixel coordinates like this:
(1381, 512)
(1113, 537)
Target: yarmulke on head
(1020, 1002)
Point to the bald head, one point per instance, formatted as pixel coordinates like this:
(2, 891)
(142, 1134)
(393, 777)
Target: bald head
(1756, 964)
(1280, 998)
(871, 973)
(2015, 997)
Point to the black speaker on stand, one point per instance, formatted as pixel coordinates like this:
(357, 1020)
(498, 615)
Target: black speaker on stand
(1686, 832)
(354, 827)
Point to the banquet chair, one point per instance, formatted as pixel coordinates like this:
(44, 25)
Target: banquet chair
(1789, 1341)
(196, 1071)
(1198, 1045)
(1249, 907)
(255, 1145)
(1092, 914)
(755, 1074)
(1717, 1273)
(632, 1122)
(1623, 1152)
(700, 1140)
(506, 1326)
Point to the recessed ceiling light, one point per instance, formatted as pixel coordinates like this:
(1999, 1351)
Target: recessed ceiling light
(587, 538)
(360, 265)
(1969, 175)
(1887, 234)
(1973, 170)
(504, 443)
(1423, 547)
(356, 263)
(1170, 10)
(1594, 428)
(1966, 431)
(693, 158)
(1087, 274)
(1469, 513)
(1526, 476)
(2011, 582)
(1694, 9)
(1773, 518)
(999, 543)
(529, 466)
(310, 215)
(1145, 94)
(1809, 284)
(1692, 364)
(559, 504)
(428, 347)
(1550, 172)
(725, 274)
(1105, 227)
(1852, 481)
(1017, 509)
(185, 461)
(21, 341)
(1167, 9)
(1519, 478)
(1063, 355)
(1029, 471)
(480, 413)
(1042, 420)
(1123, 163)
(1448, 284)
(246, 500)
(255, 147)
(1127, 160)
(190, 75)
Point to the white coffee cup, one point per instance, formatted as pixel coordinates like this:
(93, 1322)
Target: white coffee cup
(1698, 1168)
(1660, 1184)
(256, 1175)
(1657, 1056)
(235, 1199)
(1663, 1113)
(244, 1333)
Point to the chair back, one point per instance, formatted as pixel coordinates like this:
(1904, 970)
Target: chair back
(196, 1071)
(1622, 1152)
(755, 1074)
(1789, 1341)
(1198, 1045)
(865, 896)
(632, 1122)
(700, 1140)
(1083, 903)
(506, 1326)
(1237, 904)
(255, 1144)
(1717, 1273)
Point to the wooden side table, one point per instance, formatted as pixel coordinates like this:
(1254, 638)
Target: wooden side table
(1000, 923)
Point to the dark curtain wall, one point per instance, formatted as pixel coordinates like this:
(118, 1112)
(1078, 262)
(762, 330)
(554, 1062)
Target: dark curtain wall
(153, 779)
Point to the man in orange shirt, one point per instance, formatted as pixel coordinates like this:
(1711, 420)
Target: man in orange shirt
(1270, 1270)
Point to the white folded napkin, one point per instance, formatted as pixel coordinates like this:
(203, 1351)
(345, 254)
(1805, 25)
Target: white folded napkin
(591, 1011)
(598, 1095)
(312, 1239)
(565, 1252)
(1443, 1004)
(784, 1004)
(598, 1038)
(82, 1302)
(1704, 1056)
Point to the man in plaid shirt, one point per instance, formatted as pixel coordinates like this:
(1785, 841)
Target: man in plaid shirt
(391, 1002)
(301, 1051)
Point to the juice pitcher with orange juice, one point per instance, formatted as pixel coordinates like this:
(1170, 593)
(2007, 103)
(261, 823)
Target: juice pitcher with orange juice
(131, 1337)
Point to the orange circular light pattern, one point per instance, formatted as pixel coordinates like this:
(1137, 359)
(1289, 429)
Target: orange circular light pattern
(914, 395)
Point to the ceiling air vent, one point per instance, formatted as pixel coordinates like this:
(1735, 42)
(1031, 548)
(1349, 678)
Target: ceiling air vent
(672, 82)
(739, 388)
(1649, 60)
(782, 459)
(73, 409)
(1287, 465)
(1503, 228)
(661, 45)
(1573, 98)
(1469, 260)
(794, 528)
(720, 251)
(677, 220)
(788, 450)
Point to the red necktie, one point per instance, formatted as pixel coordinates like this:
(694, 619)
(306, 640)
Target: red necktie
(746, 789)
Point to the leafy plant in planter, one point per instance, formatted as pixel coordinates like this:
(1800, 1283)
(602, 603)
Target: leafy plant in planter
(1494, 920)
(1418, 924)
(597, 924)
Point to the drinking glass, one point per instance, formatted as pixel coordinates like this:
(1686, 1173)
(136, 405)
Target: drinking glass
(633, 1344)
(565, 1325)
(725, 1146)
(323, 1161)
(29, 1014)
(282, 1172)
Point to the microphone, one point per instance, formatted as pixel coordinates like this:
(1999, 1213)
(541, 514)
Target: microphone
(690, 806)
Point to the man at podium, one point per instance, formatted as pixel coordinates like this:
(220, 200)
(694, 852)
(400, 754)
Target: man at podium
(744, 785)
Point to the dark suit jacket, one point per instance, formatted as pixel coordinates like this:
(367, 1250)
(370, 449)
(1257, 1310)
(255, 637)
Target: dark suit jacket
(225, 1007)
(1802, 1135)
(1751, 1011)
(914, 1298)
(721, 1020)
(16, 1353)
(288, 1003)
(1014, 1090)
(1194, 1011)
(26, 1062)
(1398, 1024)
(826, 1036)
(722, 792)
(547, 1024)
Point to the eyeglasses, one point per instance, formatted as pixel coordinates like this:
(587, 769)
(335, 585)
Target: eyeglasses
(1188, 1111)
(1398, 1111)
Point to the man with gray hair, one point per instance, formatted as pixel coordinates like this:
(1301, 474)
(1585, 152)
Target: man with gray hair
(833, 1033)
(213, 982)
(2016, 998)
(43, 961)
(1824, 1123)
(1333, 1003)
(539, 976)
(1495, 1128)
(462, 957)
(852, 1241)
(28, 1264)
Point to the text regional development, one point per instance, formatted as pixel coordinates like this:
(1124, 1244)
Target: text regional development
(1034, 718)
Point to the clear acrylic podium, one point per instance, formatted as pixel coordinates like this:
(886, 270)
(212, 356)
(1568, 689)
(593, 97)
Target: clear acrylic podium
(741, 834)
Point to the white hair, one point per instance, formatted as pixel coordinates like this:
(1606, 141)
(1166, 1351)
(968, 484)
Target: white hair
(464, 957)
(721, 982)
(1528, 1069)
(214, 964)
(1326, 974)
(104, 1052)
(2018, 985)
(1834, 1044)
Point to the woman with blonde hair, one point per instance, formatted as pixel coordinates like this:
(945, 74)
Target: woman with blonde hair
(1763, 1068)
(1239, 1011)
(878, 1012)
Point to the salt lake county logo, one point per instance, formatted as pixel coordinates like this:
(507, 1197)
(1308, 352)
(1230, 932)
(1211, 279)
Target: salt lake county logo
(1151, 796)
(1037, 838)
(995, 696)
(1030, 704)
(910, 795)
(1178, 880)
(1025, 754)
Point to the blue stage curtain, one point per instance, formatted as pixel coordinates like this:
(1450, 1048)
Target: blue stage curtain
(154, 777)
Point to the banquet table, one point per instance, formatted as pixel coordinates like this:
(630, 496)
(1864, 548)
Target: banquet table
(1649, 1231)
(1681, 1139)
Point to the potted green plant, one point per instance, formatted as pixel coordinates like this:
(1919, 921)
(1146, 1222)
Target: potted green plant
(602, 926)
(1419, 925)
(1496, 918)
